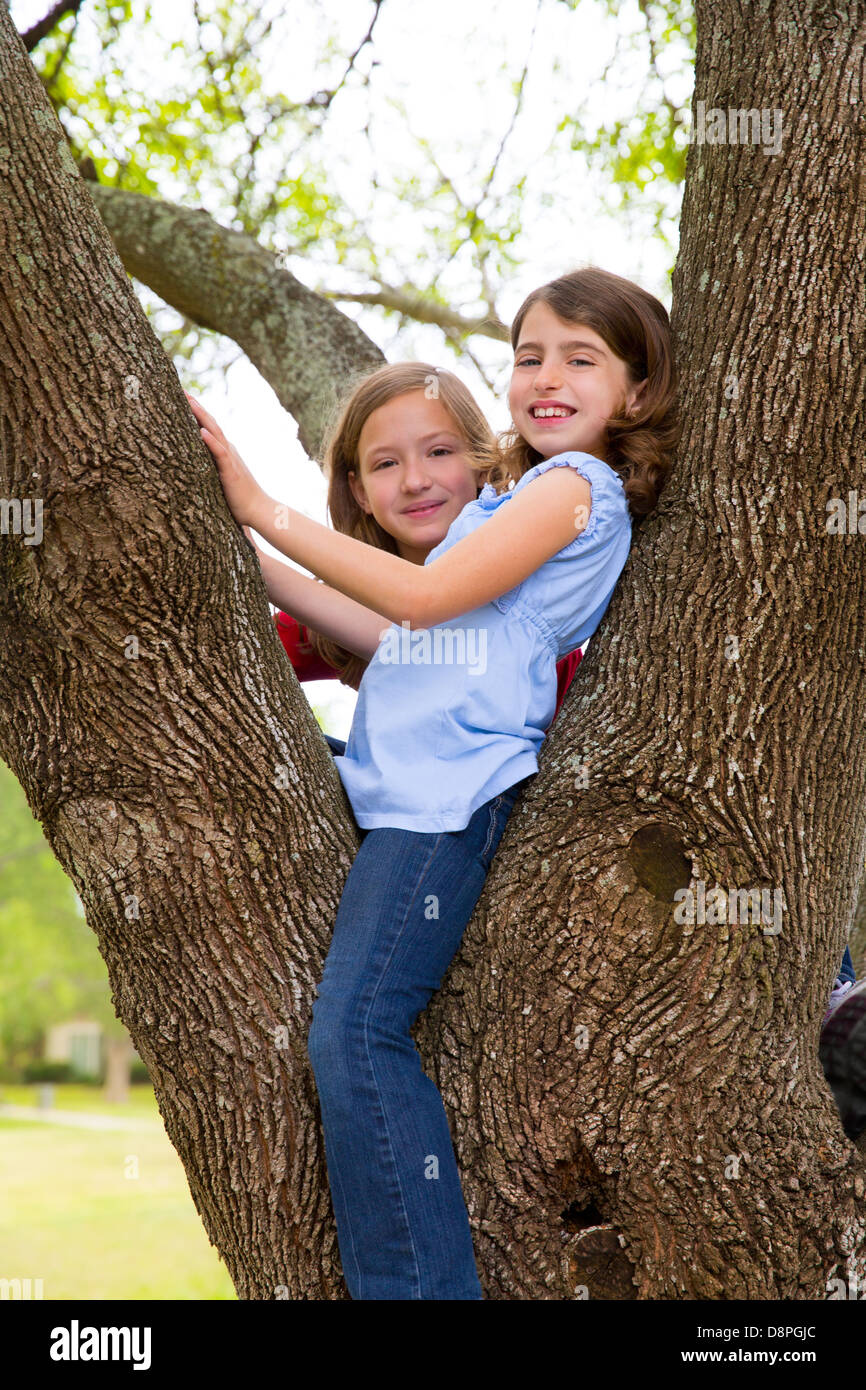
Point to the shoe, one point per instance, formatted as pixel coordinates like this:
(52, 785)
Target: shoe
(837, 994)
(842, 1051)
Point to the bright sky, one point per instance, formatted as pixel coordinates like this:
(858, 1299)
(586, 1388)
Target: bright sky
(453, 73)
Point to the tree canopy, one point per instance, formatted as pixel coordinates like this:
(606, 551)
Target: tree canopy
(304, 127)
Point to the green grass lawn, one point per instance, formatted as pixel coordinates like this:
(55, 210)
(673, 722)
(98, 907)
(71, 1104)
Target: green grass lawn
(142, 1101)
(100, 1214)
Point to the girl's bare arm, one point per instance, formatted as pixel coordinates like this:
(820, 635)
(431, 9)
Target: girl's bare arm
(545, 516)
(318, 606)
(518, 538)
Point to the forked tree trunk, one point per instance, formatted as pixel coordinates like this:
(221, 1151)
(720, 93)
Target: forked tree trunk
(603, 1063)
(599, 1050)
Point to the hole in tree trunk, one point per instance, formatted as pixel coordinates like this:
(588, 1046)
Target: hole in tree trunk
(656, 853)
(578, 1216)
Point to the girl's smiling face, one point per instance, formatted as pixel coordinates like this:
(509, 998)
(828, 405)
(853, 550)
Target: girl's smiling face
(566, 385)
(414, 473)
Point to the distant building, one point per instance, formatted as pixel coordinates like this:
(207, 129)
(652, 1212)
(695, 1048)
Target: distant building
(80, 1043)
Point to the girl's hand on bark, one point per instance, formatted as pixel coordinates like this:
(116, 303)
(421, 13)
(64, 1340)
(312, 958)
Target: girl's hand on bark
(240, 487)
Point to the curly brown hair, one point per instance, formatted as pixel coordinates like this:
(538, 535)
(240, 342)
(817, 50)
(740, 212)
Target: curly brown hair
(341, 457)
(635, 326)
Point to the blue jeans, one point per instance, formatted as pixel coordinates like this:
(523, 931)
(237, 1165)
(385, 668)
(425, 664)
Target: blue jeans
(401, 1218)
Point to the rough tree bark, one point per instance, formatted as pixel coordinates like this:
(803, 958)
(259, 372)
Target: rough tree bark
(858, 931)
(149, 714)
(607, 1070)
(601, 1052)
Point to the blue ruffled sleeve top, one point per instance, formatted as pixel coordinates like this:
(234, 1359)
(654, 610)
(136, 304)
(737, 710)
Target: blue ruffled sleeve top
(449, 716)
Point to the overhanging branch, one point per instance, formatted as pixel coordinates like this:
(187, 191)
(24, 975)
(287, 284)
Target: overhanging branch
(224, 280)
(423, 310)
(37, 32)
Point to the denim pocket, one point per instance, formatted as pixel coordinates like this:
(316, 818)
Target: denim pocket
(495, 826)
(500, 809)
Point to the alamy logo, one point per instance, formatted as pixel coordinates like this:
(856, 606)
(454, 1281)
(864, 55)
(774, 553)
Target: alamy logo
(743, 905)
(23, 517)
(847, 519)
(76, 1343)
(840, 1288)
(738, 126)
(437, 646)
(21, 1288)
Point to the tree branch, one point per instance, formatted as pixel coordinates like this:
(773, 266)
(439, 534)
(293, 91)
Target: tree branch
(324, 98)
(37, 32)
(226, 281)
(415, 306)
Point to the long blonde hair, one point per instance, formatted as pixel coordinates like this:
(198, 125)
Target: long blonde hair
(341, 457)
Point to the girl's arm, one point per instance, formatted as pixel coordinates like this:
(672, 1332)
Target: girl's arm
(517, 539)
(316, 605)
(503, 552)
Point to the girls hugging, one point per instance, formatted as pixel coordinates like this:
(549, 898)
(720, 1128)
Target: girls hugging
(515, 545)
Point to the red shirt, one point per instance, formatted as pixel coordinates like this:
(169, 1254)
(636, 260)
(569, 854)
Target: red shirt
(309, 666)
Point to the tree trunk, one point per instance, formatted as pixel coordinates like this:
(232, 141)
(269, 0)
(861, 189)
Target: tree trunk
(610, 1071)
(600, 1055)
(118, 1065)
(150, 715)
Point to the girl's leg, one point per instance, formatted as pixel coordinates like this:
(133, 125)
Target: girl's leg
(336, 745)
(401, 1218)
(846, 969)
(844, 982)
